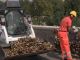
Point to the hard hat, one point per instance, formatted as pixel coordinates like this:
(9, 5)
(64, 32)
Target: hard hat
(74, 13)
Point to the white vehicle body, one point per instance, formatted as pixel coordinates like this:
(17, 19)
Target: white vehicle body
(14, 28)
(5, 38)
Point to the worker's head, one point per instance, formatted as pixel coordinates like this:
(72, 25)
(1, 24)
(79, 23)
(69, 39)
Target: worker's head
(73, 14)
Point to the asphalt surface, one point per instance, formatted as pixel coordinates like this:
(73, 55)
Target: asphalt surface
(46, 56)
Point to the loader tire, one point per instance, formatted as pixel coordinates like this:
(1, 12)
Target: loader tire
(2, 54)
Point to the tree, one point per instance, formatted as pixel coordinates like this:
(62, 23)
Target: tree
(26, 6)
(58, 11)
(73, 5)
(53, 9)
(47, 10)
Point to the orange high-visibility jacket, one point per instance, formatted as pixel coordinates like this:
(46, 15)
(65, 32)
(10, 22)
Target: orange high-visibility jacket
(63, 37)
(65, 23)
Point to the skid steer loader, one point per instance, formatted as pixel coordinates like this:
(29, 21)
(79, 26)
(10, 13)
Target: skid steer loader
(14, 26)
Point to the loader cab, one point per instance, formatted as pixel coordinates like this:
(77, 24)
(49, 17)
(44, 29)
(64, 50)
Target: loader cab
(15, 23)
(14, 17)
(15, 26)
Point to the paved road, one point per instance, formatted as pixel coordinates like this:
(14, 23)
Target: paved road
(46, 56)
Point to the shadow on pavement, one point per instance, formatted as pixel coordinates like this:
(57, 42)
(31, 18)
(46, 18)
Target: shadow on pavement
(36, 57)
(54, 55)
(58, 56)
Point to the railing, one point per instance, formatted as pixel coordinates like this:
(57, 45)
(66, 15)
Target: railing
(46, 33)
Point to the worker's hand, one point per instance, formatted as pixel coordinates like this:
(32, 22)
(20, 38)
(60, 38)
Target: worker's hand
(75, 29)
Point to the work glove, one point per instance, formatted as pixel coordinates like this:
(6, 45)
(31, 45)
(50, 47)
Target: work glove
(75, 29)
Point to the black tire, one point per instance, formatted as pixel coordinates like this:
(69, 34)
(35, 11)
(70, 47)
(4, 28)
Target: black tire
(2, 54)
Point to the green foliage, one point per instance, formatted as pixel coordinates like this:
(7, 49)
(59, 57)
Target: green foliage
(1, 3)
(47, 6)
(58, 11)
(73, 5)
(53, 9)
(26, 5)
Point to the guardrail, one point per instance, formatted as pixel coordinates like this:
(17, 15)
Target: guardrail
(46, 33)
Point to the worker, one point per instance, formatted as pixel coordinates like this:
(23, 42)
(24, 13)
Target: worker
(64, 28)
